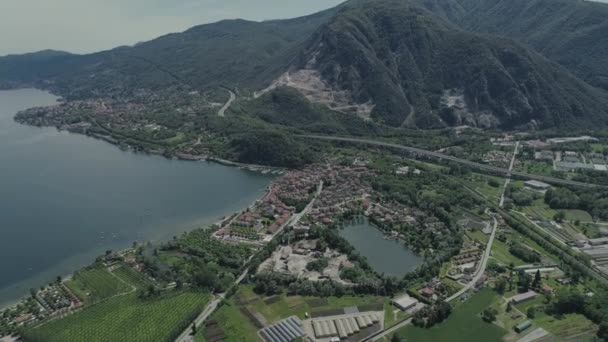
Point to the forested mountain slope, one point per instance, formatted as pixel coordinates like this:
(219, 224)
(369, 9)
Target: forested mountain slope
(409, 67)
(401, 63)
(573, 33)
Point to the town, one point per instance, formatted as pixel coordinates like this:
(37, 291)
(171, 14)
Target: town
(288, 266)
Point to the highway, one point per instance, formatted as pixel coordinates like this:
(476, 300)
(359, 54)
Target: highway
(442, 156)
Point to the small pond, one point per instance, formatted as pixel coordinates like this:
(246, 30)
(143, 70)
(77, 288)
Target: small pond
(385, 255)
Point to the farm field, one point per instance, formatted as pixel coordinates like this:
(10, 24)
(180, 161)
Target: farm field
(478, 235)
(231, 317)
(481, 183)
(125, 318)
(234, 323)
(464, 324)
(95, 284)
(535, 167)
(282, 306)
(573, 327)
(500, 252)
(132, 277)
(576, 214)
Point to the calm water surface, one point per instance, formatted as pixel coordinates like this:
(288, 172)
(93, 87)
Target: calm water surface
(390, 257)
(65, 198)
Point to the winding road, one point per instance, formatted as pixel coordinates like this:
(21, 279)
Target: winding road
(472, 164)
(225, 107)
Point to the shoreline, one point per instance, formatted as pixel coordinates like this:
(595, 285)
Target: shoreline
(211, 224)
(83, 259)
(116, 142)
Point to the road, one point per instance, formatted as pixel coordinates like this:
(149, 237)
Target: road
(508, 179)
(186, 335)
(472, 164)
(482, 266)
(227, 104)
(480, 271)
(297, 217)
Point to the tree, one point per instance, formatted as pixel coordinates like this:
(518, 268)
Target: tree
(396, 338)
(531, 312)
(537, 280)
(603, 331)
(489, 315)
(568, 300)
(509, 307)
(194, 329)
(501, 285)
(523, 281)
(204, 277)
(559, 216)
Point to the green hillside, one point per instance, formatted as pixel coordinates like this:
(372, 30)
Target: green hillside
(404, 59)
(573, 33)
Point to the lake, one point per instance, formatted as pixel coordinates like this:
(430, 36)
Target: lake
(387, 256)
(66, 198)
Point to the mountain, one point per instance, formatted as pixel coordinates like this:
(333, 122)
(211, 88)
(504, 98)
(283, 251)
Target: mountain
(238, 53)
(573, 33)
(400, 63)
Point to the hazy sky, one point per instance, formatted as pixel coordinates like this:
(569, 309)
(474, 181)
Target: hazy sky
(92, 25)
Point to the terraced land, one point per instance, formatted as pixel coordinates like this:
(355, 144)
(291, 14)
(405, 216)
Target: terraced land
(125, 318)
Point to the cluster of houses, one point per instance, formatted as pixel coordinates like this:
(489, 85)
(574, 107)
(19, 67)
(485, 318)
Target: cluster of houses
(268, 215)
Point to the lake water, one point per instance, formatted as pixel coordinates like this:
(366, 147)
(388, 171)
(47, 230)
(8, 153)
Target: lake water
(387, 256)
(66, 198)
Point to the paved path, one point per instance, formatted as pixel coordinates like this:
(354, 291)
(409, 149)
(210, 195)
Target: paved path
(482, 266)
(502, 196)
(186, 335)
(227, 104)
(475, 165)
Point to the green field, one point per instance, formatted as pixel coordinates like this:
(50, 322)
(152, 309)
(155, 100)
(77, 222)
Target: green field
(481, 183)
(132, 277)
(576, 214)
(392, 315)
(478, 235)
(534, 167)
(500, 252)
(574, 327)
(464, 324)
(125, 318)
(298, 305)
(96, 284)
(236, 326)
